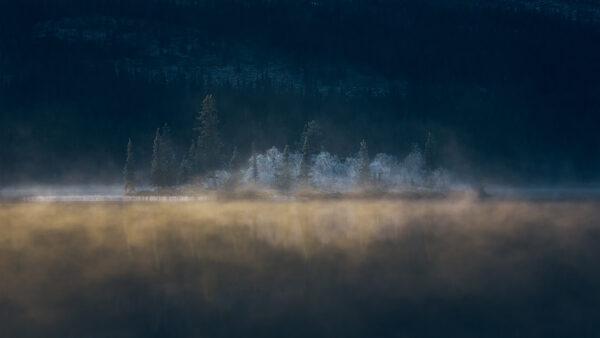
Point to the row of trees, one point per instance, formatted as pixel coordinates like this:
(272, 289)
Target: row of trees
(205, 156)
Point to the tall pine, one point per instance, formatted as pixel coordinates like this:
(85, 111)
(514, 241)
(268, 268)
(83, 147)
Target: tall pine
(363, 163)
(304, 160)
(232, 160)
(233, 179)
(129, 170)
(284, 175)
(208, 145)
(186, 168)
(155, 168)
(254, 164)
(163, 172)
(428, 154)
(312, 138)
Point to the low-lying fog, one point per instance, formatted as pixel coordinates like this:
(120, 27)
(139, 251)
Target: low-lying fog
(114, 192)
(335, 268)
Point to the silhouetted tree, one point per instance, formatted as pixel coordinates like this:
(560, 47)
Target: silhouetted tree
(232, 160)
(363, 164)
(208, 145)
(312, 137)
(304, 165)
(428, 156)
(254, 164)
(284, 175)
(233, 179)
(129, 170)
(163, 172)
(186, 168)
(155, 168)
(378, 179)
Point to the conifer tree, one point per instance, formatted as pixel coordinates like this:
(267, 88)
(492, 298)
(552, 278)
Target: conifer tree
(254, 164)
(312, 136)
(428, 154)
(284, 174)
(304, 160)
(129, 170)
(186, 169)
(232, 160)
(363, 164)
(164, 167)
(155, 169)
(233, 179)
(208, 145)
(169, 157)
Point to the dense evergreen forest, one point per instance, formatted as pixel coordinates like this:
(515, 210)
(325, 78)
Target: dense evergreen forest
(509, 89)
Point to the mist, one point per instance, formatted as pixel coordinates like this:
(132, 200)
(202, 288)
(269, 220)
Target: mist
(299, 268)
(277, 168)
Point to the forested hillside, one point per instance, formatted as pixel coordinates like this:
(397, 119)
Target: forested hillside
(510, 90)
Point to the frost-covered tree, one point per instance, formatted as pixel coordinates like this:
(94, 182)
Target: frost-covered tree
(208, 145)
(386, 171)
(363, 164)
(266, 165)
(329, 173)
(412, 172)
(163, 172)
(383, 166)
(129, 170)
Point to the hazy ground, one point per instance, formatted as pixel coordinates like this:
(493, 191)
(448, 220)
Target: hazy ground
(445, 268)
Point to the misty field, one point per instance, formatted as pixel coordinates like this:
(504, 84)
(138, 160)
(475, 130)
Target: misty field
(338, 268)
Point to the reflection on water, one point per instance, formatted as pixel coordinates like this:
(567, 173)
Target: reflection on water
(61, 190)
(544, 193)
(316, 268)
(114, 193)
(111, 198)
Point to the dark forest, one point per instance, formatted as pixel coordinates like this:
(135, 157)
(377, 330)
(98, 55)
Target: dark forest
(509, 89)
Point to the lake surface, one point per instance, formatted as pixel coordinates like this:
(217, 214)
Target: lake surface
(344, 268)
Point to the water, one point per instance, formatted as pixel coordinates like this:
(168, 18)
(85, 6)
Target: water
(114, 193)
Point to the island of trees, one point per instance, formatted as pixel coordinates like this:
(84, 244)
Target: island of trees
(307, 165)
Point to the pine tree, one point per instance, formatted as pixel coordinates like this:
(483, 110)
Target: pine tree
(208, 145)
(186, 168)
(284, 174)
(232, 160)
(428, 154)
(129, 170)
(169, 157)
(233, 179)
(363, 164)
(254, 164)
(155, 169)
(164, 166)
(312, 136)
(304, 165)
